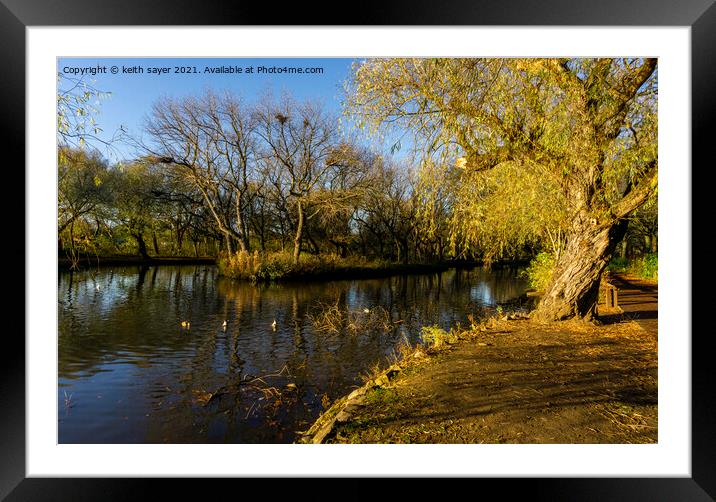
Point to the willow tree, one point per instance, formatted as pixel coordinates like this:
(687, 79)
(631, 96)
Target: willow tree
(574, 139)
(490, 213)
(78, 104)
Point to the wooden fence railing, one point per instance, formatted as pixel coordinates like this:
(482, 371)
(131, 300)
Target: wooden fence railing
(611, 295)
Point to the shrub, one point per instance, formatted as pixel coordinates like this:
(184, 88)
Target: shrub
(240, 265)
(618, 264)
(539, 272)
(436, 337)
(274, 266)
(279, 265)
(646, 267)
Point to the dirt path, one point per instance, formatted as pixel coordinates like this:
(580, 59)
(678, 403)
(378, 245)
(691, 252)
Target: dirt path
(521, 382)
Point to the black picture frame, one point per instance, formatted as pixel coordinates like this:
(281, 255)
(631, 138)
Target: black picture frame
(17, 15)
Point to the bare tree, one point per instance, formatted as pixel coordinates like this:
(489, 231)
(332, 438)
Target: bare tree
(210, 141)
(309, 168)
(389, 211)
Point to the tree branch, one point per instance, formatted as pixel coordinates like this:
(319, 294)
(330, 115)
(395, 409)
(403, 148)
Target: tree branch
(640, 194)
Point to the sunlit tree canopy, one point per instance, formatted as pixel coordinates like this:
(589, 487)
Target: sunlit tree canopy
(533, 150)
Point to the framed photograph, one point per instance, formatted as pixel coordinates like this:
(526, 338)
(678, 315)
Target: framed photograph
(435, 232)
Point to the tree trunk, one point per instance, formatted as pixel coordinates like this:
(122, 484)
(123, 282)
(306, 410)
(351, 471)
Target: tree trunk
(72, 237)
(574, 289)
(299, 234)
(142, 245)
(314, 245)
(243, 238)
(155, 242)
(227, 238)
(623, 248)
(180, 238)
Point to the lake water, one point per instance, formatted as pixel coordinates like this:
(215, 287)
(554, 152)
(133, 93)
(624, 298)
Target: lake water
(129, 372)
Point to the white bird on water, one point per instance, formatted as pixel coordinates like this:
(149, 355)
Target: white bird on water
(223, 325)
(273, 325)
(366, 311)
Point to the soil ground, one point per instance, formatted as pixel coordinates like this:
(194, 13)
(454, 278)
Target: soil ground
(523, 382)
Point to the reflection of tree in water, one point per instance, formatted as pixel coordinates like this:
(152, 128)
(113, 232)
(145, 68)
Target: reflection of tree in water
(189, 382)
(122, 315)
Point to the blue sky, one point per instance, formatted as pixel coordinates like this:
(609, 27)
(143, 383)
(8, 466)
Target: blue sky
(132, 94)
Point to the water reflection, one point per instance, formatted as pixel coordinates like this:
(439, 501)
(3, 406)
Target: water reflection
(133, 374)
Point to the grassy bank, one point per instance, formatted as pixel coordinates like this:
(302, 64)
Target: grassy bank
(257, 267)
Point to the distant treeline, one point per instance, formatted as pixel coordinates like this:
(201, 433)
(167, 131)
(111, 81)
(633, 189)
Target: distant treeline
(218, 175)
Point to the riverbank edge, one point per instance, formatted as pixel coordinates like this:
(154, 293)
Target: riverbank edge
(353, 272)
(372, 272)
(349, 272)
(354, 405)
(341, 410)
(86, 262)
